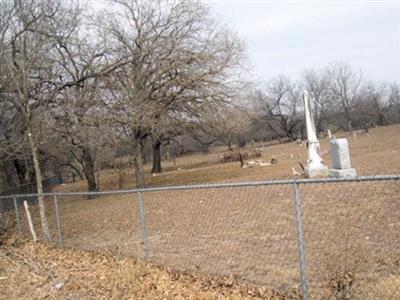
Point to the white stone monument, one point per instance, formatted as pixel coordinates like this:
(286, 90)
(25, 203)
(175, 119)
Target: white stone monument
(315, 166)
(341, 159)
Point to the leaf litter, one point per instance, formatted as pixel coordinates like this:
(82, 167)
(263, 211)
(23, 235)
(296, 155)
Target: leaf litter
(31, 270)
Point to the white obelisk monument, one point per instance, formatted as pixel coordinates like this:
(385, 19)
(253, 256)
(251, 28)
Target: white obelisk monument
(315, 166)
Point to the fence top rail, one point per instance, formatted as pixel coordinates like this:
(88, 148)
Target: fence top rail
(219, 185)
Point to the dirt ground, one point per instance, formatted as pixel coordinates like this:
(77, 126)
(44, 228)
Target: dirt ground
(375, 153)
(352, 230)
(36, 271)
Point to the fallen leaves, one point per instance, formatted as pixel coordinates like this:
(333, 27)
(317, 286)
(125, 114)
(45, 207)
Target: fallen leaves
(38, 271)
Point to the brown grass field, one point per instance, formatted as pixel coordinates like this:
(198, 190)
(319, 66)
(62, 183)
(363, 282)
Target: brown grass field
(377, 153)
(352, 230)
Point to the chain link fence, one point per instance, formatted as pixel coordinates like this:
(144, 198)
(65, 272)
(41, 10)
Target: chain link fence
(25, 189)
(315, 239)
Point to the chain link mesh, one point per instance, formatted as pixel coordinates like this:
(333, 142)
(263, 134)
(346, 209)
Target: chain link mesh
(352, 239)
(351, 232)
(21, 216)
(107, 223)
(247, 232)
(8, 217)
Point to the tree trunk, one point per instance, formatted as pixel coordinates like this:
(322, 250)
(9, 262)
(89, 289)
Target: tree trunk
(39, 186)
(303, 133)
(98, 174)
(381, 116)
(138, 163)
(241, 159)
(381, 119)
(290, 135)
(348, 119)
(349, 126)
(21, 170)
(88, 163)
(156, 158)
(120, 178)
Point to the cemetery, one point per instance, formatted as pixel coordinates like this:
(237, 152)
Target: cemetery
(192, 149)
(110, 224)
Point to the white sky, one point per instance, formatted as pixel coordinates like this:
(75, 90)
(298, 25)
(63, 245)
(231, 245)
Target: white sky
(286, 37)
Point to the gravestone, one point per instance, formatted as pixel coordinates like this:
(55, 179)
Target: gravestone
(341, 164)
(315, 166)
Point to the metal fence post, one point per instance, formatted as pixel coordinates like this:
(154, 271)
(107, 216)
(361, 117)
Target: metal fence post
(144, 229)
(300, 241)
(17, 215)
(59, 234)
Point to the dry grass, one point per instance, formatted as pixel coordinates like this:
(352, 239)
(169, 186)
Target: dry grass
(374, 154)
(352, 231)
(36, 271)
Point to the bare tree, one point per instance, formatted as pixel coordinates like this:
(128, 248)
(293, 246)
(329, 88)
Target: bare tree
(36, 31)
(394, 101)
(373, 108)
(317, 84)
(203, 130)
(179, 60)
(78, 123)
(32, 74)
(280, 106)
(345, 86)
(162, 135)
(13, 150)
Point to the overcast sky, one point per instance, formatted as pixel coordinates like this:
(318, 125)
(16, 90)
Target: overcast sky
(284, 37)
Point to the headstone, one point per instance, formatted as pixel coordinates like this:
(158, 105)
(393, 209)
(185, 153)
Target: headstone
(315, 166)
(329, 134)
(341, 164)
